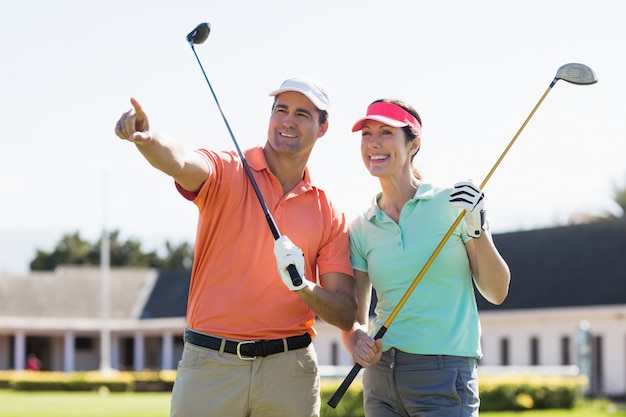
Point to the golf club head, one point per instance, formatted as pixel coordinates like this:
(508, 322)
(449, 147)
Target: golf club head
(576, 74)
(199, 34)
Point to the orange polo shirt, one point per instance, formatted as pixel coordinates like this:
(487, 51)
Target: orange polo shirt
(235, 290)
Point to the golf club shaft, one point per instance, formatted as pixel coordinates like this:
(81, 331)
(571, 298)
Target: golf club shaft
(293, 272)
(334, 400)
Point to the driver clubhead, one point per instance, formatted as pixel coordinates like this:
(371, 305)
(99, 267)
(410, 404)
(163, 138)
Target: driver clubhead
(199, 34)
(576, 74)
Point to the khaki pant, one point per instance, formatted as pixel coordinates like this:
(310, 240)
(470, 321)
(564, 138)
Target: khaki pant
(210, 384)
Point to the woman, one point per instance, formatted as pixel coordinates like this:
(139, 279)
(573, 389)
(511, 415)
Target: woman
(426, 362)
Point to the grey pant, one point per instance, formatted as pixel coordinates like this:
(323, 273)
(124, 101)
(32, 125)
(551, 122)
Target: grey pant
(410, 385)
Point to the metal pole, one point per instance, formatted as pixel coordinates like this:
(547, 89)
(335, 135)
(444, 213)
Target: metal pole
(105, 288)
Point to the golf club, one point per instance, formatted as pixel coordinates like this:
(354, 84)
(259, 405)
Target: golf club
(197, 36)
(573, 73)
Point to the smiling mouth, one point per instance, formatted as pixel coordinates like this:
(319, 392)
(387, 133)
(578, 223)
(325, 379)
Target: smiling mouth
(287, 135)
(375, 158)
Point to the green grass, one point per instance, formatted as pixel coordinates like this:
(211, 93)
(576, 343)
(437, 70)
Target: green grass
(83, 404)
(93, 404)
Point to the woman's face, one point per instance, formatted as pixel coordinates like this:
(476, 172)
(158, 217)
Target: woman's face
(384, 149)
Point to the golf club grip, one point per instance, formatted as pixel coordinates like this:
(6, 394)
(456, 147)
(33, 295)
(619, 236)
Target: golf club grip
(295, 277)
(338, 395)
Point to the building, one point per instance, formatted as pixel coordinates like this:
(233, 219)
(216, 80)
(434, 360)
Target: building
(58, 317)
(566, 306)
(568, 284)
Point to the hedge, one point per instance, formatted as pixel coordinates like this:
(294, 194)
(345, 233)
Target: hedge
(498, 393)
(87, 381)
(524, 392)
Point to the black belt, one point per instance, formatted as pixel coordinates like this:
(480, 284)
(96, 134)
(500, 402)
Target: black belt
(248, 349)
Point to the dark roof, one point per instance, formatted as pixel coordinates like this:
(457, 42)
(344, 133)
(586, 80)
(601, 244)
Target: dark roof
(568, 266)
(169, 296)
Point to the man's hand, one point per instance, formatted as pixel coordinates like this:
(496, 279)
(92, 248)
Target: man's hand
(286, 254)
(133, 125)
(468, 196)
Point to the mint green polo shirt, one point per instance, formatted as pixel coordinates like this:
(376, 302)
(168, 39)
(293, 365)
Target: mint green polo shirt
(440, 317)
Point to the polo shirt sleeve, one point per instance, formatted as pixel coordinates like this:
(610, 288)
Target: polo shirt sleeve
(357, 257)
(192, 195)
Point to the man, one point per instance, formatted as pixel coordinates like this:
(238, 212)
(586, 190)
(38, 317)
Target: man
(237, 297)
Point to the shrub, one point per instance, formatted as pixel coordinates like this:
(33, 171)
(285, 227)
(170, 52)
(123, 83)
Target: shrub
(79, 381)
(519, 392)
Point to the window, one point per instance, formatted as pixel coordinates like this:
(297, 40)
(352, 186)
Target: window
(504, 351)
(83, 343)
(534, 351)
(565, 351)
(334, 354)
(597, 365)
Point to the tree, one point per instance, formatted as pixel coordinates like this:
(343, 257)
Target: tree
(178, 257)
(72, 249)
(619, 195)
(127, 253)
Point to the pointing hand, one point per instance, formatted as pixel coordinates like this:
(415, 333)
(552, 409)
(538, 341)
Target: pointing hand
(133, 125)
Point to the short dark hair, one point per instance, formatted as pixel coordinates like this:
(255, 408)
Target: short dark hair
(322, 114)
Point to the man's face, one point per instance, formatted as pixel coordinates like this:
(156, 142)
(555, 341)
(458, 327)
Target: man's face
(294, 125)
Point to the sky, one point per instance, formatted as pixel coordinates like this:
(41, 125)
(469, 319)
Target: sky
(474, 71)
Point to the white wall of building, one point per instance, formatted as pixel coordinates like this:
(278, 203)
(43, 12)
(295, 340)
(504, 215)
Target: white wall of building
(549, 326)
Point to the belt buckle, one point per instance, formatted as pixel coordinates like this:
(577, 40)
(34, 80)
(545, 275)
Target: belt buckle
(244, 358)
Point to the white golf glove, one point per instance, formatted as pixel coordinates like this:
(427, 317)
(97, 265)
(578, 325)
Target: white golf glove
(468, 196)
(286, 254)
